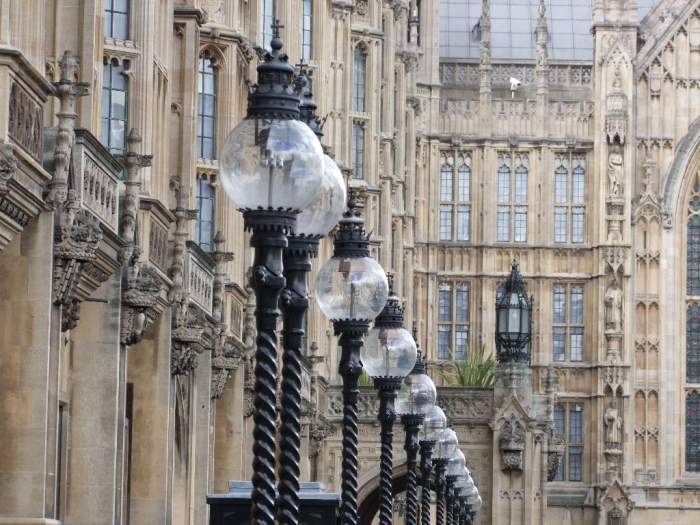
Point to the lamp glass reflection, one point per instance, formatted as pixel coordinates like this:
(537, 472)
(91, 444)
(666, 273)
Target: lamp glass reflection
(416, 396)
(389, 352)
(324, 211)
(268, 163)
(434, 424)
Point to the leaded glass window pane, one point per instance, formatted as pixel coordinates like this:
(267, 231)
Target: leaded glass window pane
(521, 185)
(503, 224)
(560, 217)
(204, 224)
(520, 224)
(576, 305)
(463, 223)
(358, 151)
(306, 29)
(444, 341)
(114, 107)
(464, 181)
(117, 19)
(446, 184)
(692, 344)
(445, 223)
(575, 442)
(692, 432)
(445, 303)
(559, 426)
(360, 67)
(462, 307)
(576, 344)
(559, 304)
(559, 344)
(577, 224)
(578, 184)
(560, 180)
(206, 110)
(267, 19)
(693, 257)
(461, 337)
(503, 184)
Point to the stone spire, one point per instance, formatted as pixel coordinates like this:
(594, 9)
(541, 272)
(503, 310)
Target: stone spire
(485, 67)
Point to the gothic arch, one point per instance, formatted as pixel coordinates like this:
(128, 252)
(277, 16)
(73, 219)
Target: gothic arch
(216, 55)
(368, 495)
(686, 155)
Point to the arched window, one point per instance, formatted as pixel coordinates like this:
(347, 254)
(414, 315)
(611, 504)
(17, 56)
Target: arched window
(692, 331)
(204, 224)
(453, 320)
(206, 108)
(513, 171)
(692, 431)
(455, 197)
(568, 419)
(360, 69)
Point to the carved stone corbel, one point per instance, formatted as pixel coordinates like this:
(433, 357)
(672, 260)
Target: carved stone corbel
(512, 444)
(141, 288)
(229, 353)
(555, 453)
(319, 430)
(220, 259)
(76, 241)
(67, 91)
(187, 330)
(8, 165)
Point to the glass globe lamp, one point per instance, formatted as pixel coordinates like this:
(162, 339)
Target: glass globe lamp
(474, 499)
(417, 394)
(465, 481)
(447, 445)
(325, 209)
(434, 424)
(456, 464)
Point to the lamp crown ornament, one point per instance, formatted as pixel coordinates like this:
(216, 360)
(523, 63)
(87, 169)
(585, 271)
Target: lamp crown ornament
(307, 106)
(350, 239)
(274, 95)
(392, 314)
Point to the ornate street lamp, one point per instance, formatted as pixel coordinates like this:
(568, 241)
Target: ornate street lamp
(445, 449)
(513, 320)
(314, 222)
(414, 400)
(271, 166)
(434, 425)
(351, 289)
(388, 358)
(456, 467)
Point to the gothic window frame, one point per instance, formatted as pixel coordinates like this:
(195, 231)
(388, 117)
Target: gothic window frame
(454, 221)
(117, 10)
(453, 319)
(692, 430)
(512, 196)
(111, 90)
(268, 15)
(574, 444)
(204, 73)
(568, 323)
(205, 180)
(691, 450)
(569, 197)
(307, 30)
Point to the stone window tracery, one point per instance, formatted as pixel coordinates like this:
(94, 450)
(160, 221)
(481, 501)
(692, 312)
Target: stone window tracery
(692, 330)
(117, 19)
(569, 198)
(568, 419)
(453, 320)
(455, 196)
(115, 98)
(567, 323)
(206, 108)
(512, 198)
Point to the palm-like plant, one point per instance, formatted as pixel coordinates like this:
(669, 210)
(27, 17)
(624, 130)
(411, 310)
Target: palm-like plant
(473, 370)
(365, 379)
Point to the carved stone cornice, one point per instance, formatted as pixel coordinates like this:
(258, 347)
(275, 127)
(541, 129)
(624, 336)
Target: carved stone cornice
(8, 165)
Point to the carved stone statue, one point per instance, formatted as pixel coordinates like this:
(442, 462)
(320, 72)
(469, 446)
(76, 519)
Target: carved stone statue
(613, 424)
(615, 172)
(613, 308)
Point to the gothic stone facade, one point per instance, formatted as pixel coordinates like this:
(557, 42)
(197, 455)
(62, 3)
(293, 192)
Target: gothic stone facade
(126, 330)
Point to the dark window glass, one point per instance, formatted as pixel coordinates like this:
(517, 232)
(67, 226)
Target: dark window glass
(692, 432)
(267, 19)
(575, 442)
(204, 224)
(360, 67)
(693, 258)
(358, 151)
(560, 426)
(206, 110)
(692, 343)
(114, 107)
(117, 19)
(306, 29)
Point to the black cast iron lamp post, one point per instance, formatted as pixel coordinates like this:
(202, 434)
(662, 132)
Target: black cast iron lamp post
(315, 221)
(271, 166)
(514, 320)
(388, 357)
(351, 289)
(445, 449)
(414, 399)
(456, 466)
(434, 424)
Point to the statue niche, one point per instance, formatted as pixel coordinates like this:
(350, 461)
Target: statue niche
(512, 445)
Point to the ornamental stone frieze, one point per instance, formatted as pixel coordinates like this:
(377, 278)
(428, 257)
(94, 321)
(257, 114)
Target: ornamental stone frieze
(141, 289)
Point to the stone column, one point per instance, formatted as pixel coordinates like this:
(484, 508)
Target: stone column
(97, 410)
